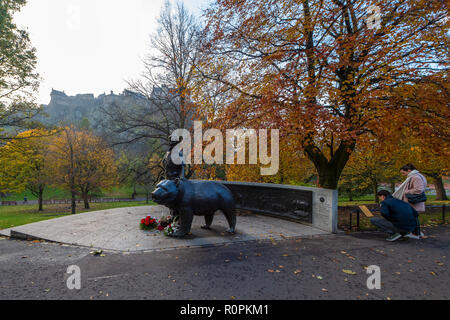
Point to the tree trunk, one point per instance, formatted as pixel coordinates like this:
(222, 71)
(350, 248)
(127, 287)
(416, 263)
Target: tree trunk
(328, 177)
(440, 189)
(72, 173)
(74, 202)
(375, 190)
(40, 196)
(86, 200)
(350, 195)
(281, 171)
(330, 170)
(41, 207)
(133, 195)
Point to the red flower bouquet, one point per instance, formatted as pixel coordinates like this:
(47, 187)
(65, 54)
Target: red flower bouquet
(148, 223)
(165, 224)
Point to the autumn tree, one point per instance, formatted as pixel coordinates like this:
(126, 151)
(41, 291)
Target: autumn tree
(423, 137)
(321, 70)
(367, 168)
(141, 170)
(427, 111)
(436, 169)
(125, 170)
(25, 164)
(18, 80)
(434, 165)
(294, 168)
(165, 82)
(83, 163)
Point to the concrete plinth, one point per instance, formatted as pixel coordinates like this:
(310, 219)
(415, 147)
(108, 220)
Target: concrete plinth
(118, 230)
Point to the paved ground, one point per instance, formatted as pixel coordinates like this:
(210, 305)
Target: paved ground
(303, 268)
(118, 230)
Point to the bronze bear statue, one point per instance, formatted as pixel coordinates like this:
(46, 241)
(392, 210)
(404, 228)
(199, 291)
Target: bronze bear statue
(187, 198)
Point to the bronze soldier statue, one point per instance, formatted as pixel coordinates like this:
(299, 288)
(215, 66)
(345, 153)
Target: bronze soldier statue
(172, 171)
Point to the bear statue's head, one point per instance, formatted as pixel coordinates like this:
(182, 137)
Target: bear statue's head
(166, 192)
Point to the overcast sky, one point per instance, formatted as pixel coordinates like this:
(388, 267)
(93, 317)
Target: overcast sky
(91, 46)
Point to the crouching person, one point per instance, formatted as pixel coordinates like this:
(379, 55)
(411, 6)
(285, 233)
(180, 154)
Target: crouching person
(399, 218)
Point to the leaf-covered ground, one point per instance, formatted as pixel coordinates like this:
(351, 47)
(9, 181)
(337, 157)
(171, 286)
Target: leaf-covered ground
(325, 267)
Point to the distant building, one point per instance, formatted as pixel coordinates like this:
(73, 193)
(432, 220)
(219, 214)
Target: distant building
(88, 111)
(74, 109)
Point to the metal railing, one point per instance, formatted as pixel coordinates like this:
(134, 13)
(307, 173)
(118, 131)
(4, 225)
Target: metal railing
(357, 211)
(68, 201)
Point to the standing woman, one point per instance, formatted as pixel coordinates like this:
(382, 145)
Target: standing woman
(413, 187)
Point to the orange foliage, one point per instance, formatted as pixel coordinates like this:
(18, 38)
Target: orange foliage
(314, 70)
(82, 162)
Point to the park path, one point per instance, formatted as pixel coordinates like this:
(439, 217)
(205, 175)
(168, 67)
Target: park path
(317, 267)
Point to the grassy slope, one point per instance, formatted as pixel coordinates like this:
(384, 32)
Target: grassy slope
(13, 216)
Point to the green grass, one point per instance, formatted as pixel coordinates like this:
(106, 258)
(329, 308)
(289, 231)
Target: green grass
(365, 202)
(51, 193)
(368, 199)
(345, 203)
(13, 216)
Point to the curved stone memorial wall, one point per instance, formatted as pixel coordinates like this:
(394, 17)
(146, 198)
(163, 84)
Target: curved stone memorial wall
(313, 206)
